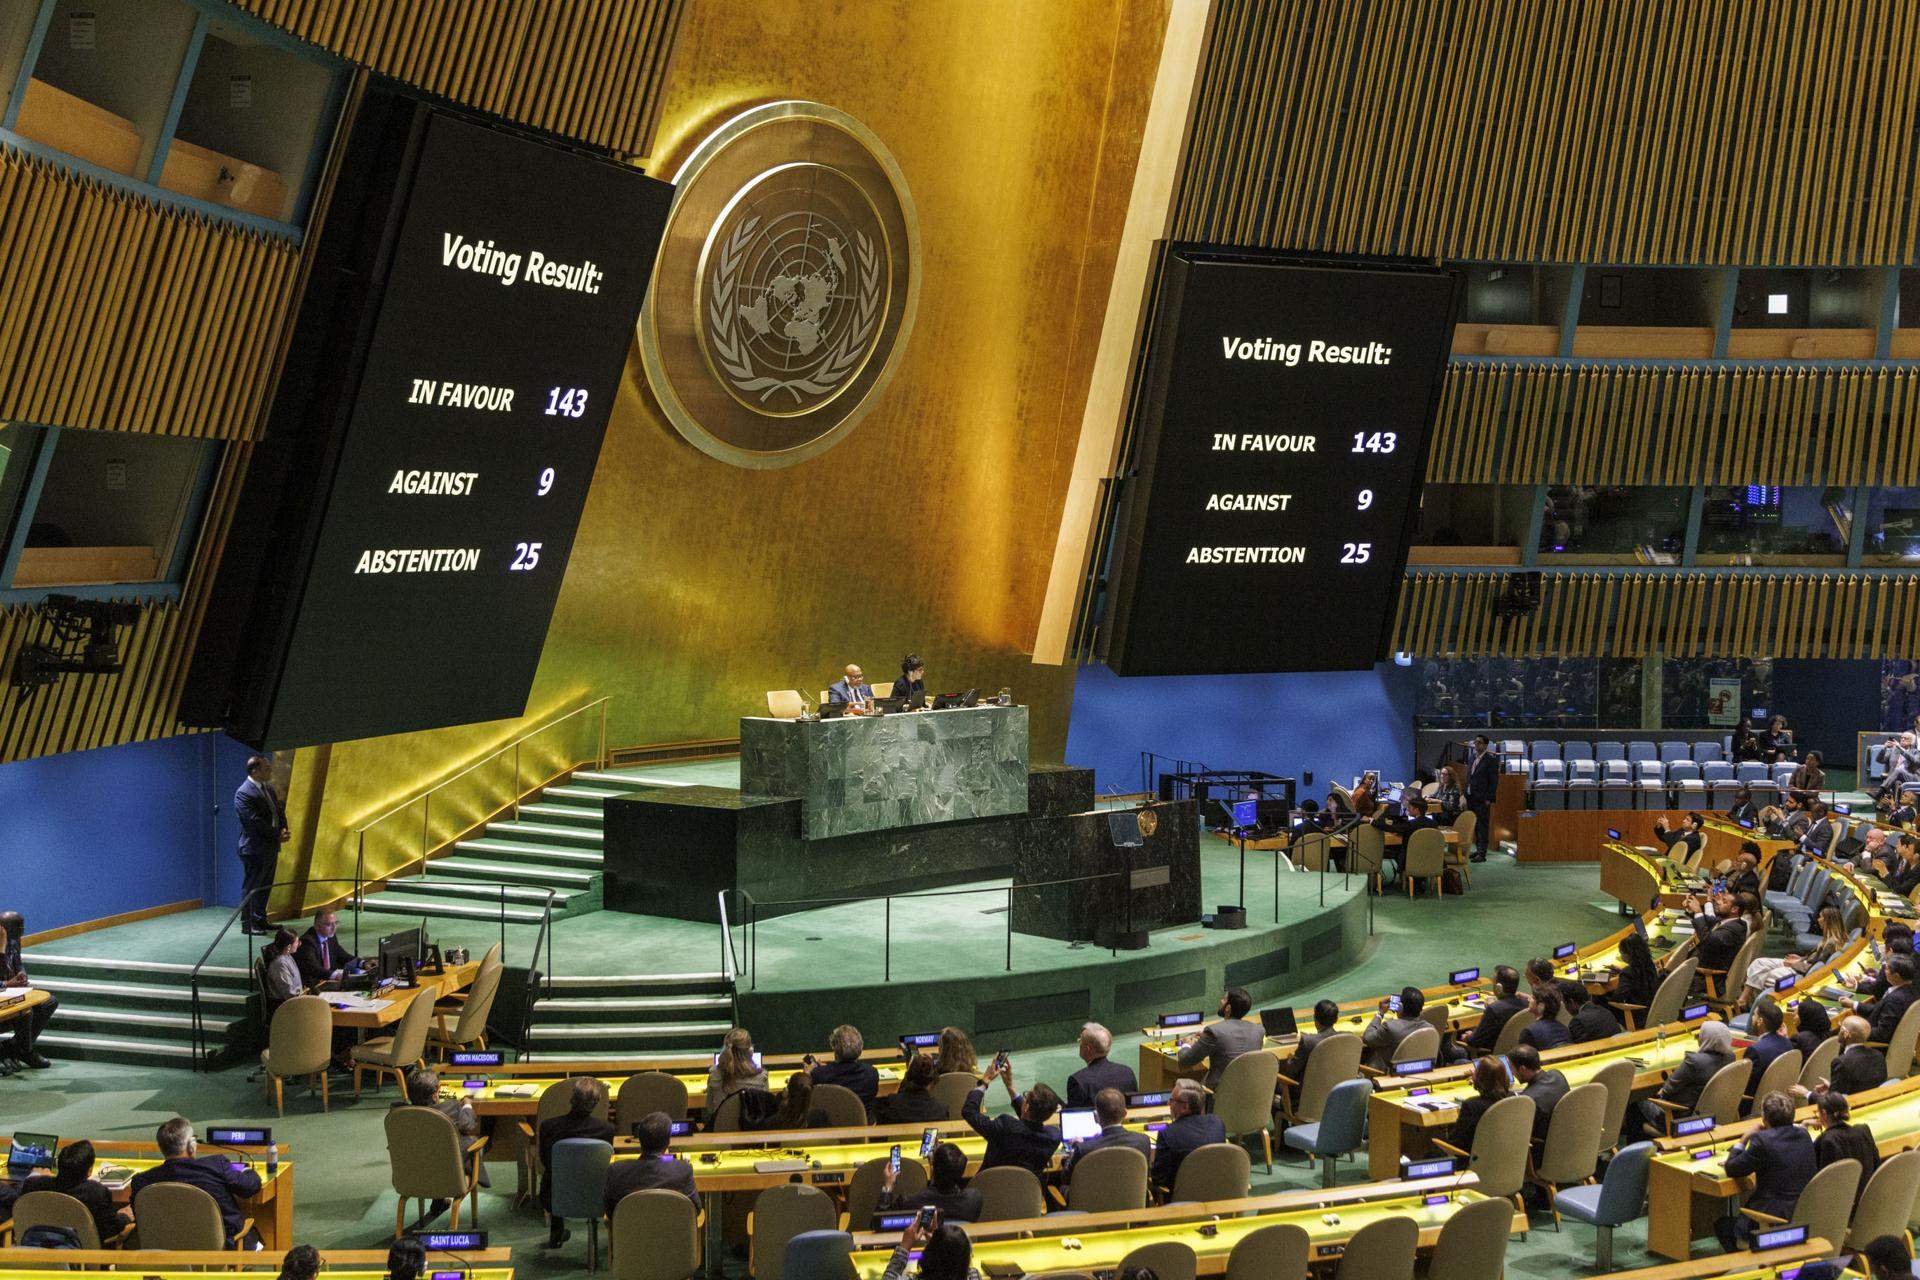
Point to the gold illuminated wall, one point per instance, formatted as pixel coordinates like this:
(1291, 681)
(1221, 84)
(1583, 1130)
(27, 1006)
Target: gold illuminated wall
(694, 586)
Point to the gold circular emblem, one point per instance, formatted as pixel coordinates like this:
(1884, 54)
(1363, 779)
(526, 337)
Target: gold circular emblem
(1149, 822)
(785, 285)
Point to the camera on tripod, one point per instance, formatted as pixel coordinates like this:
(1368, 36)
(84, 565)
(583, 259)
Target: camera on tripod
(83, 641)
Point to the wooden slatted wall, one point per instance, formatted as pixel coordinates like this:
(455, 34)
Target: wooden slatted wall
(118, 314)
(1687, 615)
(1530, 422)
(588, 69)
(1619, 131)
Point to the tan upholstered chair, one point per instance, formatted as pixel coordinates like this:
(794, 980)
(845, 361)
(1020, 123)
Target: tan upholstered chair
(1781, 1075)
(780, 1214)
(1217, 1171)
(1334, 1059)
(1720, 1099)
(468, 1030)
(1667, 997)
(1617, 1079)
(58, 1209)
(398, 1053)
(864, 1188)
(646, 1092)
(1885, 1208)
(1426, 859)
(1110, 1180)
(1167, 1259)
(1277, 1252)
(299, 1043)
(1381, 1250)
(1460, 853)
(1243, 1100)
(1366, 851)
(1900, 1045)
(1310, 852)
(656, 1236)
(786, 704)
(1510, 1032)
(1473, 1242)
(1498, 1158)
(952, 1088)
(1819, 1063)
(1824, 1204)
(430, 1161)
(842, 1105)
(1572, 1148)
(173, 1215)
(1008, 1192)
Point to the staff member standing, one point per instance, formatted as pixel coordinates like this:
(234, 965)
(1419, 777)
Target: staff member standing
(263, 829)
(1483, 782)
(913, 677)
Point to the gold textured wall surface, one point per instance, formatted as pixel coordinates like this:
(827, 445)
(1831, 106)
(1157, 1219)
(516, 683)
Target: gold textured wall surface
(1622, 131)
(589, 69)
(694, 586)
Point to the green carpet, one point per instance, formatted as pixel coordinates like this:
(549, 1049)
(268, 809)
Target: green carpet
(342, 1200)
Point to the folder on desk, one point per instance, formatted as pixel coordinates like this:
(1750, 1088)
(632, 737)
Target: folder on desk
(780, 1166)
(517, 1091)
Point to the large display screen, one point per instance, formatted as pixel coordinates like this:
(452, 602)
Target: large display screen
(1279, 449)
(475, 369)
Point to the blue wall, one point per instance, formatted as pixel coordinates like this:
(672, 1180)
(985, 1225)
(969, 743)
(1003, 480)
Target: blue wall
(95, 833)
(1337, 724)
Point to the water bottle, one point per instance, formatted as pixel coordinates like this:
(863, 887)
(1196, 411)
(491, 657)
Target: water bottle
(273, 1161)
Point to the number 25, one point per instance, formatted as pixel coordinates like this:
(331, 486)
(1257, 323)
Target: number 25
(1357, 553)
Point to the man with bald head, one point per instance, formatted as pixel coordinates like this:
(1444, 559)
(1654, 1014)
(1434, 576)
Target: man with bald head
(1860, 1066)
(1084, 1085)
(853, 688)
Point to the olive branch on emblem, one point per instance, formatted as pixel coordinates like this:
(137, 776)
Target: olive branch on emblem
(730, 349)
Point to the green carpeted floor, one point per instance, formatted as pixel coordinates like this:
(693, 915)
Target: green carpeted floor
(342, 1198)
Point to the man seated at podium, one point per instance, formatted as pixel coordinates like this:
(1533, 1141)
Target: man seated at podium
(852, 688)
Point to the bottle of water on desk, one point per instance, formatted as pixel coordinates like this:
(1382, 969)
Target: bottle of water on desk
(273, 1161)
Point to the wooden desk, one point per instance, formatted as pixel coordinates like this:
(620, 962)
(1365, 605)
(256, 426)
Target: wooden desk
(34, 998)
(271, 1208)
(515, 1091)
(458, 977)
(174, 1264)
(1734, 1266)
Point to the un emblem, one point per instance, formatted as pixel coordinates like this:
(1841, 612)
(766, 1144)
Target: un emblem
(785, 286)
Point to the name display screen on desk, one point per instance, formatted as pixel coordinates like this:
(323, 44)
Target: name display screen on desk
(1280, 449)
(483, 351)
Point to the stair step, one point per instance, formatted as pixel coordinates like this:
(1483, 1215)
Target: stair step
(211, 998)
(110, 1048)
(585, 795)
(413, 906)
(543, 833)
(592, 982)
(157, 1025)
(628, 1004)
(555, 877)
(36, 960)
(578, 815)
(637, 1031)
(624, 781)
(498, 847)
(443, 886)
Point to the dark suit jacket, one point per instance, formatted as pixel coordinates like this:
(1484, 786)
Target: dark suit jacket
(841, 691)
(1593, 1022)
(1178, 1140)
(1296, 1066)
(1745, 882)
(1816, 836)
(1682, 843)
(911, 1108)
(1483, 778)
(1471, 1110)
(1546, 1090)
(1492, 1020)
(1011, 1140)
(1383, 1036)
(1886, 1012)
(1114, 1135)
(91, 1193)
(1220, 1043)
(1719, 942)
(1781, 1162)
(316, 967)
(905, 688)
(261, 817)
(1683, 1087)
(1848, 1142)
(1545, 1034)
(211, 1175)
(857, 1076)
(556, 1129)
(657, 1173)
(1748, 812)
(1764, 1050)
(1101, 1073)
(954, 1206)
(1901, 815)
(1858, 1069)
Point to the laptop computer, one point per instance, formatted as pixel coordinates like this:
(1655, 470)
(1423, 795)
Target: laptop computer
(833, 710)
(31, 1151)
(1279, 1022)
(1077, 1124)
(948, 701)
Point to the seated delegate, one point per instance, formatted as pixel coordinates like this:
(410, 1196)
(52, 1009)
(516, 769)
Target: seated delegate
(321, 956)
(1221, 1042)
(280, 975)
(1110, 1109)
(655, 1170)
(73, 1176)
(846, 1069)
(1096, 1042)
(13, 973)
(852, 687)
(181, 1161)
(1024, 1138)
(947, 1189)
(913, 678)
(914, 1103)
(1191, 1128)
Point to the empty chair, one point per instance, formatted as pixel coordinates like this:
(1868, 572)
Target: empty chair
(1672, 751)
(1619, 1198)
(1649, 771)
(1722, 794)
(1309, 853)
(816, 1255)
(1008, 1192)
(1473, 1242)
(842, 1105)
(1277, 1252)
(1819, 1063)
(1367, 853)
(1217, 1171)
(1341, 1127)
(429, 1161)
(1542, 749)
(1682, 771)
(1616, 785)
(1110, 1180)
(1884, 1209)
(646, 1092)
(398, 1053)
(1381, 1250)
(468, 1029)
(1167, 1259)
(1781, 899)
(1617, 1079)
(1576, 751)
(869, 1181)
(299, 1044)
(1751, 771)
(1900, 1045)
(1707, 752)
(58, 1209)
(578, 1168)
(779, 1214)
(1637, 751)
(785, 704)
(1498, 1157)
(174, 1215)
(1610, 751)
(1824, 1204)
(1714, 772)
(1549, 797)
(1336, 1059)
(1243, 1100)
(1573, 1140)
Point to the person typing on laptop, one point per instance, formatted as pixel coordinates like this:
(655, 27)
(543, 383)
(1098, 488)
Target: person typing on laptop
(321, 956)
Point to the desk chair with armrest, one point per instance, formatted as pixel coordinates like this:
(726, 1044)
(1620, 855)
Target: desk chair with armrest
(1277, 1252)
(173, 1215)
(1720, 1098)
(580, 1186)
(1824, 1205)
(1473, 1242)
(1498, 1158)
(655, 1236)
(58, 1209)
(430, 1161)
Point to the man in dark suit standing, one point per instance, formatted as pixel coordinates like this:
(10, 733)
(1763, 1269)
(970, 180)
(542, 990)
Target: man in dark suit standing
(1483, 782)
(181, 1161)
(655, 1170)
(1084, 1085)
(263, 829)
(1191, 1129)
(1780, 1159)
(1110, 1109)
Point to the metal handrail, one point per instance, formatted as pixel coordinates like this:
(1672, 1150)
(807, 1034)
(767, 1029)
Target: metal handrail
(729, 964)
(425, 798)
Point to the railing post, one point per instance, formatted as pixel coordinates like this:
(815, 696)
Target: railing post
(359, 888)
(1009, 927)
(601, 759)
(886, 944)
(426, 835)
(516, 781)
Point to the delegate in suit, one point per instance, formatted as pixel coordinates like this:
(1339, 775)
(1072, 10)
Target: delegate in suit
(852, 688)
(1221, 1042)
(263, 829)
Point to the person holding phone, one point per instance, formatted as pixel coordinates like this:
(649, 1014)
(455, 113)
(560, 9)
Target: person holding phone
(945, 1251)
(1023, 1138)
(947, 1191)
(657, 1169)
(1398, 1018)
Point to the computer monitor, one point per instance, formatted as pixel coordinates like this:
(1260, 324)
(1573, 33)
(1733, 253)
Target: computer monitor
(1246, 813)
(31, 1151)
(397, 947)
(1078, 1124)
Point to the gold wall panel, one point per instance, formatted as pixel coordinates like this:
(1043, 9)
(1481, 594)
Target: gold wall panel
(588, 69)
(1619, 131)
(1523, 422)
(1682, 615)
(119, 314)
(694, 586)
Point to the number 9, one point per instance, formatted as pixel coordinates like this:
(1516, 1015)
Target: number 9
(1366, 498)
(546, 482)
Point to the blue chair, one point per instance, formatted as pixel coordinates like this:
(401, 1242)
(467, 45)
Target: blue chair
(1340, 1130)
(1576, 751)
(1724, 794)
(1649, 771)
(1638, 751)
(1551, 773)
(1620, 1198)
(1671, 751)
(1679, 771)
(1542, 749)
(1610, 751)
(1751, 771)
(579, 1171)
(819, 1255)
(1707, 753)
(1783, 774)
(1583, 771)
(1717, 771)
(1653, 793)
(1799, 871)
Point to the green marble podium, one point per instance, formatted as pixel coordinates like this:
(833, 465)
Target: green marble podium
(877, 773)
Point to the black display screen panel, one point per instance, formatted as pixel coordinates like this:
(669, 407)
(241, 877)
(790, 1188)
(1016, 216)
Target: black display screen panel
(474, 373)
(1280, 447)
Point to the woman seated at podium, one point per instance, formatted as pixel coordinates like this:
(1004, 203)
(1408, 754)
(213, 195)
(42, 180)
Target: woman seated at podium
(913, 677)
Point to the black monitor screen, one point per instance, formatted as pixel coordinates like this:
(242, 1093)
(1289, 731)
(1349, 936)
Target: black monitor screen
(1280, 448)
(432, 446)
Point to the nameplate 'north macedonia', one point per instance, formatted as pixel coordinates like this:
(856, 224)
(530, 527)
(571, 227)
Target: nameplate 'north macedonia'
(785, 286)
